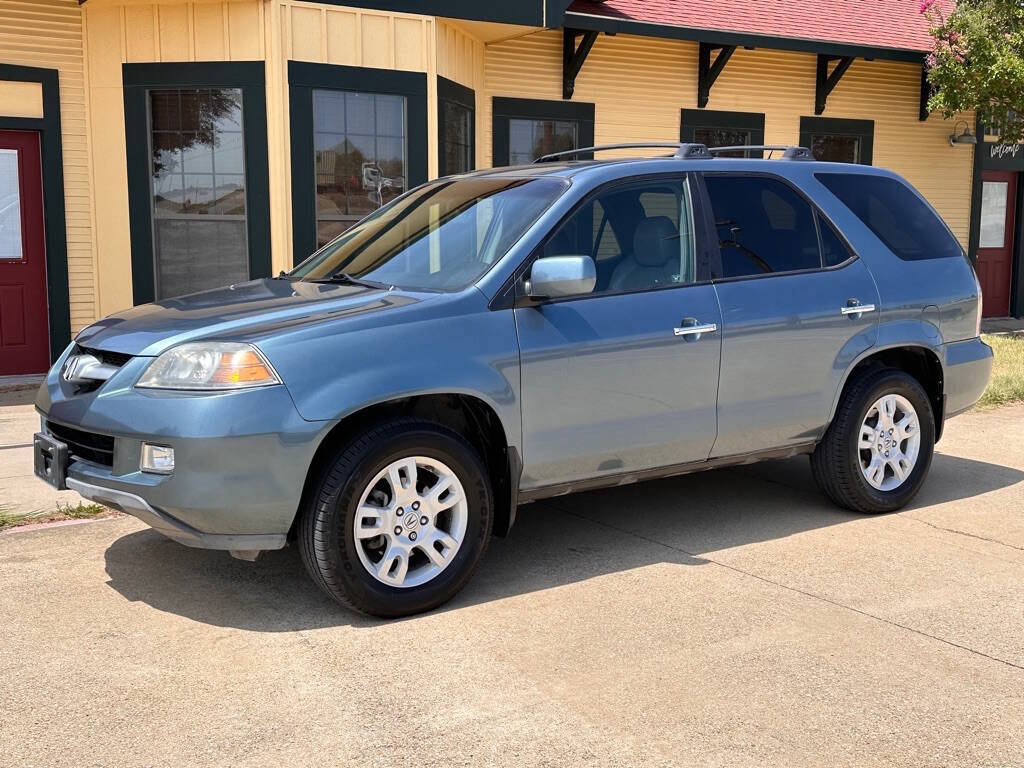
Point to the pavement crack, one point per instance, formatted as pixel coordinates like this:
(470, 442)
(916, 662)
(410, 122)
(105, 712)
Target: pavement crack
(962, 533)
(787, 587)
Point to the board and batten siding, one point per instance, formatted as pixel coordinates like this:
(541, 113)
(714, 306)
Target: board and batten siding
(129, 31)
(639, 85)
(48, 34)
(332, 34)
(460, 58)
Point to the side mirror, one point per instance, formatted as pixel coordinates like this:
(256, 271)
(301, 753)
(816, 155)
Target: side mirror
(557, 276)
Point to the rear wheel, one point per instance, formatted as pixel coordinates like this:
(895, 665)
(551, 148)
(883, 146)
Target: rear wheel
(877, 451)
(399, 520)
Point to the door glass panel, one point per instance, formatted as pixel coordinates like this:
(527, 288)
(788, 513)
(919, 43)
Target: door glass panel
(763, 226)
(530, 139)
(640, 235)
(834, 148)
(10, 206)
(360, 156)
(722, 137)
(993, 214)
(198, 189)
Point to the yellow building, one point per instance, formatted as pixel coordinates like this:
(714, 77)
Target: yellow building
(150, 148)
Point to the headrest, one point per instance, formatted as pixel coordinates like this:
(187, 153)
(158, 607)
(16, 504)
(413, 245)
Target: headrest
(655, 241)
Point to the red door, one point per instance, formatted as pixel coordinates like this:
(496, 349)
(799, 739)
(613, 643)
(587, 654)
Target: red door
(995, 244)
(24, 326)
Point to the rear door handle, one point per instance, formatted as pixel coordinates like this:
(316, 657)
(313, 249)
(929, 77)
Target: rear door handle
(692, 328)
(855, 308)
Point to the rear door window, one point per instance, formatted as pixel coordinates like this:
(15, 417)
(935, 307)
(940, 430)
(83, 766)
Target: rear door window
(763, 225)
(895, 214)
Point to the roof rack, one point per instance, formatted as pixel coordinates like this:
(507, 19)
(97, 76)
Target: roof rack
(789, 151)
(682, 150)
(687, 151)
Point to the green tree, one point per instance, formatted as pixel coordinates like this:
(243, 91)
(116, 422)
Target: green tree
(977, 62)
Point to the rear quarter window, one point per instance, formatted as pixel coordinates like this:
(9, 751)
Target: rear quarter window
(897, 216)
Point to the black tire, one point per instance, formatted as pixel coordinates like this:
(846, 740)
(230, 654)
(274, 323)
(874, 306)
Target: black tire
(835, 463)
(325, 535)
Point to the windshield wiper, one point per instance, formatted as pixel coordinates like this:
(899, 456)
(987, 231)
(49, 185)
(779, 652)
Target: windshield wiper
(344, 277)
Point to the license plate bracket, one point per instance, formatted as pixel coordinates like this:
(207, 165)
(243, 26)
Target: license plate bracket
(50, 458)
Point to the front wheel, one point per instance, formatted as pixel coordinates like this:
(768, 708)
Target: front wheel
(877, 451)
(399, 520)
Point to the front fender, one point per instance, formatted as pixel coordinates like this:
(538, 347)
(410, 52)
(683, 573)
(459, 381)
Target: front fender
(332, 373)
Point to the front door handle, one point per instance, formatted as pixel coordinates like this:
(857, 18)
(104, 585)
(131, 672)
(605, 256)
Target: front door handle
(856, 309)
(691, 328)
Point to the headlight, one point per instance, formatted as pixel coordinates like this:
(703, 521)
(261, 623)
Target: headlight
(209, 366)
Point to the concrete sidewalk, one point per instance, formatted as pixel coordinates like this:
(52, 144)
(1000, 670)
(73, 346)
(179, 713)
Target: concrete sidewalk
(21, 493)
(729, 618)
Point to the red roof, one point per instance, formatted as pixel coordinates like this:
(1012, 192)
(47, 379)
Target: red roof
(895, 24)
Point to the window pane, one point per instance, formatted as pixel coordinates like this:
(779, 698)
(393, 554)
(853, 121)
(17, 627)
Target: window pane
(763, 226)
(10, 206)
(360, 156)
(722, 137)
(198, 171)
(458, 135)
(993, 214)
(835, 149)
(442, 236)
(833, 249)
(646, 218)
(196, 255)
(530, 139)
(897, 216)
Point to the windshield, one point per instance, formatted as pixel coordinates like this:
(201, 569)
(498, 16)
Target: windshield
(439, 237)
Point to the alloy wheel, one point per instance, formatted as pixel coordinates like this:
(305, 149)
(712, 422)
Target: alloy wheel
(889, 442)
(410, 522)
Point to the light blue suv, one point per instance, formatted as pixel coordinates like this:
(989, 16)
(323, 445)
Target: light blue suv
(519, 333)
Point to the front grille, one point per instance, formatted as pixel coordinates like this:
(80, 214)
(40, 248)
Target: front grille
(90, 446)
(113, 359)
(116, 359)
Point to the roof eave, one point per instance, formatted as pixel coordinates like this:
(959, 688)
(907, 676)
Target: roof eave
(613, 25)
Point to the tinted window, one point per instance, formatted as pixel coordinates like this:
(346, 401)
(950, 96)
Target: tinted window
(763, 226)
(835, 148)
(529, 139)
(833, 249)
(723, 137)
(457, 137)
(897, 216)
(640, 236)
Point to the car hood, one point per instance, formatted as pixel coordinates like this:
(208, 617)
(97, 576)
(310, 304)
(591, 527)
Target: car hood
(246, 309)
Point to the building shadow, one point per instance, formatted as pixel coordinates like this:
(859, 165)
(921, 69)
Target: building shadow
(561, 541)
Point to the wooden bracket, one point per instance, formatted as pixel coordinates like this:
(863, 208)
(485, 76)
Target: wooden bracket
(573, 56)
(708, 72)
(825, 83)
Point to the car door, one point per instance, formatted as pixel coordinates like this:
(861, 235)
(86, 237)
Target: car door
(621, 379)
(797, 305)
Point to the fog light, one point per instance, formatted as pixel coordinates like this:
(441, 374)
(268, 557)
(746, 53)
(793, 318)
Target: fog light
(157, 458)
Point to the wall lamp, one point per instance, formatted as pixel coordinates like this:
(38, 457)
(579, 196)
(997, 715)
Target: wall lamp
(964, 138)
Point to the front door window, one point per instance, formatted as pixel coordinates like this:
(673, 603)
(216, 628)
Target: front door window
(198, 189)
(360, 156)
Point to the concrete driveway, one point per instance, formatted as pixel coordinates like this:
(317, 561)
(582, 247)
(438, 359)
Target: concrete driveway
(731, 618)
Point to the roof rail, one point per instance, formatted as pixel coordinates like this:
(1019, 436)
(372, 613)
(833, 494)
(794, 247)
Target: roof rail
(681, 150)
(789, 151)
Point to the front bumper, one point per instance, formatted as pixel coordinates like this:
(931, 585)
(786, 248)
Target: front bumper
(172, 527)
(967, 371)
(241, 458)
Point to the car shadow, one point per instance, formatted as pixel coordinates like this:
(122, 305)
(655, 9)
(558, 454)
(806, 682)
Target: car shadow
(555, 542)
